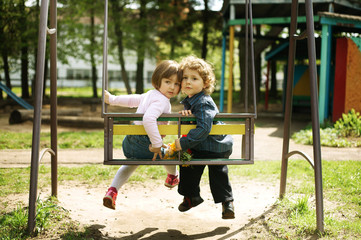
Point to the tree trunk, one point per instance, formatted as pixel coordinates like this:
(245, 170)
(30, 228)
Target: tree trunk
(117, 10)
(24, 72)
(37, 13)
(139, 77)
(6, 68)
(92, 57)
(205, 30)
(24, 52)
(140, 49)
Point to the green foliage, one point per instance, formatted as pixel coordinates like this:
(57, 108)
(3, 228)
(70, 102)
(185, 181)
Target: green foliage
(14, 180)
(346, 132)
(342, 202)
(350, 124)
(300, 208)
(13, 225)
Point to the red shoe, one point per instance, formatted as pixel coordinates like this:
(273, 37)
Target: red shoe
(110, 198)
(171, 181)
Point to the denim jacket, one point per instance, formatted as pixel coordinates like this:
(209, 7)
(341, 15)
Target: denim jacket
(204, 109)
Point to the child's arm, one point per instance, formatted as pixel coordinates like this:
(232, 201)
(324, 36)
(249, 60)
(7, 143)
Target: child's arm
(204, 113)
(154, 110)
(106, 96)
(122, 100)
(178, 147)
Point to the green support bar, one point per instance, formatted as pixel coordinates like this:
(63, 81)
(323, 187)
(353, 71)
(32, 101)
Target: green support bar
(278, 20)
(323, 68)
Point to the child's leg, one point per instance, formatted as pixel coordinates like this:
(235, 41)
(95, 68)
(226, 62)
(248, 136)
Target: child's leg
(219, 183)
(171, 169)
(172, 179)
(189, 187)
(190, 178)
(122, 176)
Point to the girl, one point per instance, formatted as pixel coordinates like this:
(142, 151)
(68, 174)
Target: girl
(152, 104)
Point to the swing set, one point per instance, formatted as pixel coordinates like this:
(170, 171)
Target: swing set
(238, 123)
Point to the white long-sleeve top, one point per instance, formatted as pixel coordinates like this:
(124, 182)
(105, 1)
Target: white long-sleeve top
(152, 104)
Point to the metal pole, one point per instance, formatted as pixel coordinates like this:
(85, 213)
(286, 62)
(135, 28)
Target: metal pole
(315, 118)
(252, 58)
(221, 97)
(246, 58)
(37, 113)
(53, 99)
(108, 150)
(230, 77)
(289, 90)
(105, 57)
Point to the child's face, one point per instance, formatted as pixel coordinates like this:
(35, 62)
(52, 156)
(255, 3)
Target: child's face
(170, 87)
(192, 83)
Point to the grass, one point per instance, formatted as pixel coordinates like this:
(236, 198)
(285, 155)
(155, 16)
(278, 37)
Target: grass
(69, 140)
(66, 140)
(292, 217)
(345, 132)
(329, 137)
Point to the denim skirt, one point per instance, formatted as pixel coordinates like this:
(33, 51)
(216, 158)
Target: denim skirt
(137, 146)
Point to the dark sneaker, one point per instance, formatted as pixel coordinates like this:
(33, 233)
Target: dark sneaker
(110, 198)
(188, 203)
(171, 181)
(227, 210)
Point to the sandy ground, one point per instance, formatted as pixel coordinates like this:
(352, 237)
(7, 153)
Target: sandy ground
(149, 210)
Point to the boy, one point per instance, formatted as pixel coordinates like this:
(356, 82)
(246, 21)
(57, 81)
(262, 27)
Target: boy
(198, 82)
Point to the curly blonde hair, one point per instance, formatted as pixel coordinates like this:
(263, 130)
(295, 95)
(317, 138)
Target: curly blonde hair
(204, 68)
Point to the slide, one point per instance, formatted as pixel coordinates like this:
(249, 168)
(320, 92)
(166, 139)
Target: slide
(19, 100)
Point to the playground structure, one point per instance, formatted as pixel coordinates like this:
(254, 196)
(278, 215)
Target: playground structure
(19, 100)
(334, 20)
(248, 117)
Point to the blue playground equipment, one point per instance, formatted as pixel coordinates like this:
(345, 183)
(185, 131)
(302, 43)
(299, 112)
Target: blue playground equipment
(19, 100)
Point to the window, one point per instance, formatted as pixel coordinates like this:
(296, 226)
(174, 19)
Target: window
(78, 74)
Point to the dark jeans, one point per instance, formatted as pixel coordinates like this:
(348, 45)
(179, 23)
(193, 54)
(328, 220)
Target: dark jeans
(190, 177)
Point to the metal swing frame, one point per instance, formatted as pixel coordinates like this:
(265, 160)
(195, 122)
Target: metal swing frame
(36, 156)
(245, 120)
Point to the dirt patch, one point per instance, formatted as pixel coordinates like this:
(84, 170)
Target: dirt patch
(149, 211)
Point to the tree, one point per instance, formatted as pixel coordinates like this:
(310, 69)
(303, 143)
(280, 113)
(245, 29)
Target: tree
(205, 29)
(24, 36)
(81, 34)
(117, 11)
(92, 51)
(7, 36)
(140, 36)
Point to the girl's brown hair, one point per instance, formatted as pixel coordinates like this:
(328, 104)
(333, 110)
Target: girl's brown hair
(205, 70)
(165, 69)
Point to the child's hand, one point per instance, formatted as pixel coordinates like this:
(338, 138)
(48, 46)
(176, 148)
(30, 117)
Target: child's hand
(156, 151)
(178, 147)
(185, 112)
(106, 96)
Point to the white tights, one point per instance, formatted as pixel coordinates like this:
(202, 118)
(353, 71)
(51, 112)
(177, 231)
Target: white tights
(125, 171)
